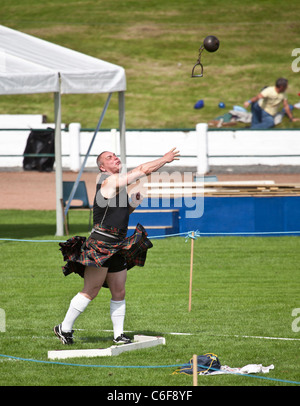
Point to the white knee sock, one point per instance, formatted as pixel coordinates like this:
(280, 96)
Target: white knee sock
(117, 314)
(77, 305)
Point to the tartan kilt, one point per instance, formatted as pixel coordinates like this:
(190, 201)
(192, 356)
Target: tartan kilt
(80, 252)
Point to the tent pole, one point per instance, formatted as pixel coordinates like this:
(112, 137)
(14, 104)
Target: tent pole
(58, 165)
(122, 128)
(74, 188)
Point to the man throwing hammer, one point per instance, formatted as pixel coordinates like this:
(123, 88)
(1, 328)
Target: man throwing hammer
(105, 256)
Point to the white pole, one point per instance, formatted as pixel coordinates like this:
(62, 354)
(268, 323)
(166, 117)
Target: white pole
(202, 142)
(74, 188)
(115, 147)
(58, 165)
(122, 129)
(74, 140)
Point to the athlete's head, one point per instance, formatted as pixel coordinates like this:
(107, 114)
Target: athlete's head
(109, 162)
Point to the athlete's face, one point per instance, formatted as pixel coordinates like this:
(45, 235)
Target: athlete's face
(110, 163)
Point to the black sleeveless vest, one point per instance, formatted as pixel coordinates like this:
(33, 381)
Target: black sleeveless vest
(112, 212)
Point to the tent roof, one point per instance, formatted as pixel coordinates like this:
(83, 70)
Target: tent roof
(32, 65)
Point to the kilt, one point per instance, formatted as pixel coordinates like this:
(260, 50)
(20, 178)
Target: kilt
(79, 252)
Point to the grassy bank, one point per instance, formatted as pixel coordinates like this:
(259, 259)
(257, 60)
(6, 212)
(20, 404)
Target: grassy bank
(157, 43)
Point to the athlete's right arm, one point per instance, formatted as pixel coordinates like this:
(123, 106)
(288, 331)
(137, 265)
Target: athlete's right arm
(112, 185)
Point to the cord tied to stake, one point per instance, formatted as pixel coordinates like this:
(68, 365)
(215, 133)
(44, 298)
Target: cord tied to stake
(192, 234)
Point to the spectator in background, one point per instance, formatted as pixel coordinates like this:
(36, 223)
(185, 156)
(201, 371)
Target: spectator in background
(267, 103)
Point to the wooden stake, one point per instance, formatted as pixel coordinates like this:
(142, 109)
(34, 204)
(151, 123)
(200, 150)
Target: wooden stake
(191, 272)
(195, 370)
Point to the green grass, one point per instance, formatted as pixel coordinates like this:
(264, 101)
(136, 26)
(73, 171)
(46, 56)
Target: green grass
(241, 286)
(157, 43)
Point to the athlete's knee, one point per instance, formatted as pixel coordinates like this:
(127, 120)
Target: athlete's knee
(91, 292)
(93, 281)
(118, 294)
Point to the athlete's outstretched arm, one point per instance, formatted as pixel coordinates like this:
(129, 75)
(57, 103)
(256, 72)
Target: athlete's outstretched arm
(112, 185)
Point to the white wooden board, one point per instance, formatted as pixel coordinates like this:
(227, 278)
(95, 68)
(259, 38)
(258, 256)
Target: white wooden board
(139, 342)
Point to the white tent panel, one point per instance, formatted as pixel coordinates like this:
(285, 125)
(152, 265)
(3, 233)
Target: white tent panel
(90, 83)
(25, 77)
(29, 83)
(32, 65)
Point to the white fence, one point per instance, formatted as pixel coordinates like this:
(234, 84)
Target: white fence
(200, 148)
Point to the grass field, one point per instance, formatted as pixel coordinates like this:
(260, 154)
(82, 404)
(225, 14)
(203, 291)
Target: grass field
(241, 287)
(157, 42)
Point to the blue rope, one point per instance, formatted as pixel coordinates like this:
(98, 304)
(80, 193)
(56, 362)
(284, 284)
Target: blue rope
(141, 366)
(188, 234)
(90, 366)
(21, 240)
(193, 235)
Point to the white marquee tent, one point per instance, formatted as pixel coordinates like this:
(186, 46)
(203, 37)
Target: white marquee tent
(32, 65)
